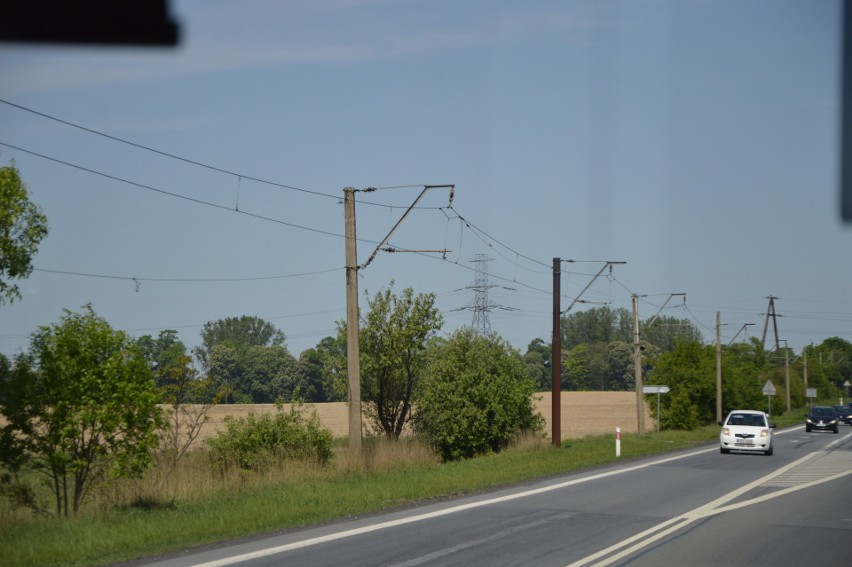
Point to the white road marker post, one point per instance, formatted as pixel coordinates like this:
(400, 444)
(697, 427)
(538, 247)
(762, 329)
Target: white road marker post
(617, 441)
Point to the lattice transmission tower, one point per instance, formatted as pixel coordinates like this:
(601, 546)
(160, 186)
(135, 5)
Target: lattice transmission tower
(481, 305)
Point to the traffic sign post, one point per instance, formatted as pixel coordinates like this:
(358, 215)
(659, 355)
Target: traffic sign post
(656, 390)
(769, 390)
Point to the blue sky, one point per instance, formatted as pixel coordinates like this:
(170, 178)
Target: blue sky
(696, 141)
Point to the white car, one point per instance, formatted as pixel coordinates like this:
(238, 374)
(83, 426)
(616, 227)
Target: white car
(746, 430)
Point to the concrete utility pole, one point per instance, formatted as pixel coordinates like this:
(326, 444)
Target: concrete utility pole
(718, 367)
(353, 339)
(637, 366)
(556, 359)
(787, 373)
(353, 344)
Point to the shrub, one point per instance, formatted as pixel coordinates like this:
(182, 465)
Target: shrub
(476, 398)
(253, 441)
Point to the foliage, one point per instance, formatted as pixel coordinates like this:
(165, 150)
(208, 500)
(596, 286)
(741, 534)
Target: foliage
(22, 228)
(829, 366)
(256, 374)
(237, 332)
(599, 366)
(476, 397)
(80, 408)
(537, 361)
(601, 324)
(183, 419)
(162, 354)
(254, 441)
(325, 370)
(394, 337)
(665, 332)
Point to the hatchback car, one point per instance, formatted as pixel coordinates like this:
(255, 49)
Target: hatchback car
(844, 414)
(746, 430)
(822, 418)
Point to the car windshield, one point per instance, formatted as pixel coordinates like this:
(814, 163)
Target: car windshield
(823, 412)
(748, 419)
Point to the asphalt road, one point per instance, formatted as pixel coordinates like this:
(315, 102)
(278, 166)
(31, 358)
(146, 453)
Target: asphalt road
(691, 508)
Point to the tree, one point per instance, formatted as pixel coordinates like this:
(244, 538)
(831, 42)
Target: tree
(162, 354)
(476, 397)
(665, 332)
(601, 324)
(599, 366)
(537, 360)
(22, 228)
(239, 332)
(184, 418)
(325, 370)
(394, 337)
(80, 408)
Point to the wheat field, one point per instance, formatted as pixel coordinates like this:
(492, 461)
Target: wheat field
(582, 414)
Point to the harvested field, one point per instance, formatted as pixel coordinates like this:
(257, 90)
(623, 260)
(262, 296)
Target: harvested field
(583, 413)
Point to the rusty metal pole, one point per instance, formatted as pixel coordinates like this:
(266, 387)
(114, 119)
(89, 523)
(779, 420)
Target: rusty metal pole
(556, 358)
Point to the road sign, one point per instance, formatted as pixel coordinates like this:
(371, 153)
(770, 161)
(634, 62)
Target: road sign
(769, 388)
(655, 389)
(811, 393)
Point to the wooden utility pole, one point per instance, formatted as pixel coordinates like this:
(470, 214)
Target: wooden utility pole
(637, 366)
(718, 367)
(353, 348)
(556, 358)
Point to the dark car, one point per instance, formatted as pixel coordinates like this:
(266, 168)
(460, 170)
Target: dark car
(822, 418)
(844, 414)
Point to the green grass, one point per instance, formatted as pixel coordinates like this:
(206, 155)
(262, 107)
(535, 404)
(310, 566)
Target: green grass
(253, 504)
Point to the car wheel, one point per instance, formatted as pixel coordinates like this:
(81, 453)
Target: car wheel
(836, 429)
(724, 451)
(808, 428)
(769, 452)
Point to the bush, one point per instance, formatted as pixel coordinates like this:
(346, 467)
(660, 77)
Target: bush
(476, 398)
(253, 441)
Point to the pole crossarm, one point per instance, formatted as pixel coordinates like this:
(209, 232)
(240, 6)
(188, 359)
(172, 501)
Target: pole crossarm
(576, 300)
(657, 314)
(384, 241)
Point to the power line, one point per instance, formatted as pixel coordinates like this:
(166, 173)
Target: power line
(165, 154)
(171, 194)
(183, 280)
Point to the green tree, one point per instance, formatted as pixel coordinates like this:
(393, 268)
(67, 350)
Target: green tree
(476, 397)
(162, 354)
(600, 324)
(22, 228)
(537, 360)
(271, 374)
(325, 369)
(394, 337)
(665, 332)
(599, 366)
(238, 332)
(80, 408)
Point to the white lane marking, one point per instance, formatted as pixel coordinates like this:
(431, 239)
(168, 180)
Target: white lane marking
(713, 508)
(436, 514)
